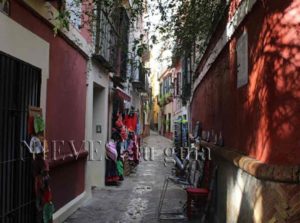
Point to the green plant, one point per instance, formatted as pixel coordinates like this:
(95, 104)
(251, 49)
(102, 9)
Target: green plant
(169, 95)
(188, 24)
(162, 100)
(183, 23)
(159, 101)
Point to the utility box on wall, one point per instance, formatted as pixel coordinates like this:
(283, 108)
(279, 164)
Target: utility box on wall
(98, 129)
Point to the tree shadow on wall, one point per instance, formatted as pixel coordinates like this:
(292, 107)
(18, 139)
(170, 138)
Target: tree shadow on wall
(273, 99)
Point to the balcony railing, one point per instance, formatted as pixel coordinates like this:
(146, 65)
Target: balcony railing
(106, 41)
(111, 41)
(124, 42)
(139, 79)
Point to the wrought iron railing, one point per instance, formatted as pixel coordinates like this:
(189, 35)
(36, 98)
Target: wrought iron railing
(139, 78)
(111, 40)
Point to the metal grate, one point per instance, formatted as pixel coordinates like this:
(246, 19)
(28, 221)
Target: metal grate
(19, 87)
(106, 38)
(112, 38)
(124, 40)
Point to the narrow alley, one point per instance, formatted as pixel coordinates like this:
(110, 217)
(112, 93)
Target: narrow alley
(137, 198)
(146, 111)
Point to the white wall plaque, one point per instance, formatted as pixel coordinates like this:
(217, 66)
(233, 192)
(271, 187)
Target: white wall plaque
(242, 60)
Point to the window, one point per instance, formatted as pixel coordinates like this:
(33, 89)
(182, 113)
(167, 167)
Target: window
(112, 39)
(242, 60)
(16, 75)
(186, 78)
(121, 21)
(179, 83)
(75, 10)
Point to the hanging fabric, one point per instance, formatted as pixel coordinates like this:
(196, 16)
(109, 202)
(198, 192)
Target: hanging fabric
(111, 150)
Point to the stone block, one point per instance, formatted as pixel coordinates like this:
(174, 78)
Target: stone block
(283, 173)
(281, 211)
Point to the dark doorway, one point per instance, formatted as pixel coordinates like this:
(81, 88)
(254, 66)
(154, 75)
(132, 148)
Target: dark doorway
(20, 85)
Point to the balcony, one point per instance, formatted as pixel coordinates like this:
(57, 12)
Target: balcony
(165, 99)
(139, 79)
(111, 41)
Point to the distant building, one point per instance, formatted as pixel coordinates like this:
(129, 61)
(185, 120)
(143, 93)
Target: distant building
(155, 109)
(137, 84)
(180, 109)
(165, 101)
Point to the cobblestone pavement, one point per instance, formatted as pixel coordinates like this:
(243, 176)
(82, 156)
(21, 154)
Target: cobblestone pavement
(137, 199)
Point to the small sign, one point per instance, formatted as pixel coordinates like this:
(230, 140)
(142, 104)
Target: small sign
(98, 128)
(242, 60)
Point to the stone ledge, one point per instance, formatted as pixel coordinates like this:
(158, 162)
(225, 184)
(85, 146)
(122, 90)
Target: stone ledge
(262, 171)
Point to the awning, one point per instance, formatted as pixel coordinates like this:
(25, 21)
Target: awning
(122, 94)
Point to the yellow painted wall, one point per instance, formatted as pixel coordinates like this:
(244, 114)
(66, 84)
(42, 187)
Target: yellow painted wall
(155, 91)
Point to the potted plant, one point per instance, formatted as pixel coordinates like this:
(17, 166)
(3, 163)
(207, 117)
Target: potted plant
(163, 100)
(169, 97)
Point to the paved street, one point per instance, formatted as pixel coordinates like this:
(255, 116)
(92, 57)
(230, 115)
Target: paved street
(136, 200)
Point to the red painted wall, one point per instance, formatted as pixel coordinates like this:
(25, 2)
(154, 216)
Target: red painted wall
(66, 100)
(261, 119)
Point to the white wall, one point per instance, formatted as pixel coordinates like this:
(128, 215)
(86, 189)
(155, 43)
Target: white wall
(21, 43)
(97, 114)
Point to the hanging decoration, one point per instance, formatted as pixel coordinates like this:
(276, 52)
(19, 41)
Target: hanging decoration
(39, 149)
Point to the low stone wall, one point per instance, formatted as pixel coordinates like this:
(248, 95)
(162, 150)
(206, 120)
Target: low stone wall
(249, 191)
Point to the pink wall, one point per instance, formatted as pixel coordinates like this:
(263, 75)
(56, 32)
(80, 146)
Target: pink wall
(260, 119)
(66, 100)
(87, 8)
